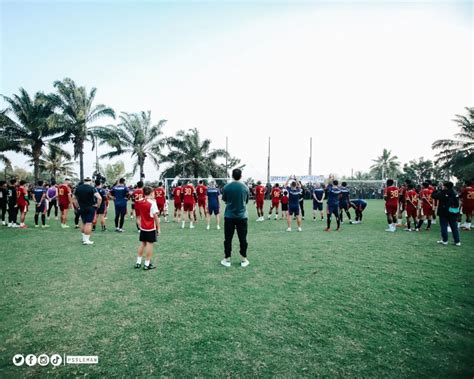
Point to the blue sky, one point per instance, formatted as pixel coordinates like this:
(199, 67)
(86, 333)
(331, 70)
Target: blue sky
(346, 74)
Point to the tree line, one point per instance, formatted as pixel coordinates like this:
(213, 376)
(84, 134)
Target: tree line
(39, 126)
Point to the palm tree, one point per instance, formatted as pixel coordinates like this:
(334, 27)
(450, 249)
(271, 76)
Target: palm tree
(457, 155)
(385, 166)
(57, 161)
(24, 126)
(134, 135)
(191, 157)
(77, 113)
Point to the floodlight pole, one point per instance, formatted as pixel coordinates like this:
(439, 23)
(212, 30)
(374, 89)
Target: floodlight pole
(268, 164)
(226, 154)
(310, 155)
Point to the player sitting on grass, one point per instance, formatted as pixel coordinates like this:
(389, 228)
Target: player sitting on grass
(359, 205)
(411, 207)
(294, 193)
(213, 204)
(259, 200)
(149, 228)
(39, 196)
(333, 195)
(391, 205)
(275, 194)
(344, 202)
(427, 208)
(318, 198)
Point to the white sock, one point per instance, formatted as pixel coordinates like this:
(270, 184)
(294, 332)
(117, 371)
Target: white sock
(83, 237)
(139, 260)
(147, 263)
(86, 237)
(191, 223)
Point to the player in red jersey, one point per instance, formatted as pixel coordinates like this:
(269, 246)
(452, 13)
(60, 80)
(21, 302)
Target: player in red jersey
(189, 202)
(411, 207)
(275, 194)
(137, 195)
(402, 190)
(467, 200)
(259, 200)
(149, 228)
(201, 191)
(427, 207)
(391, 196)
(160, 198)
(178, 201)
(64, 200)
(22, 202)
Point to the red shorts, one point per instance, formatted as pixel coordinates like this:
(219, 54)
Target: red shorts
(63, 206)
(275, 203)
(202, 202)
(161, 206)
(188, 207)
(22, 207)
(467, 210)
(391, 208)
(411, 211)
(259, 203)
(427, 210)
(177, 205)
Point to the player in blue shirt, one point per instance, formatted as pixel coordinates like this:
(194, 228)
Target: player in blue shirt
(39, 196)
(344, 202)
(359, 205)
(318, 198)
(294, 194)
(333, 196)
(119, 194)
(213, 194)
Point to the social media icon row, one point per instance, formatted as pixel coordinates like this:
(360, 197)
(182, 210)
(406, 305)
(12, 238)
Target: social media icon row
(32, 360)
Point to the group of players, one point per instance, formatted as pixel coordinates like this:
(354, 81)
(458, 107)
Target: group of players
(418, 205)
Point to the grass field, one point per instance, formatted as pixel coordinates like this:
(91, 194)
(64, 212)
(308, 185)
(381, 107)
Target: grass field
(358, 303)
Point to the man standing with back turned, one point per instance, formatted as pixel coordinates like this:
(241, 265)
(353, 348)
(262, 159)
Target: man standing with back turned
(236, 196)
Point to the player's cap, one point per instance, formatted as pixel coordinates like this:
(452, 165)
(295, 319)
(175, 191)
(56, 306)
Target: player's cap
(87, 179)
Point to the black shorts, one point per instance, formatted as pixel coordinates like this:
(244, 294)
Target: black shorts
(147, 236)
(87, 214)
(317, 206)
(344, 206)
(284, 207)
(294, 211)
(101, 210)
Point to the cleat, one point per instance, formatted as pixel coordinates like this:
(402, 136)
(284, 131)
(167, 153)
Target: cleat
(327, 229)
(149, 267)
(37, 226)
(23, 226)
(299, 229)
(458, 244)
(244, 263)
(442, 242)
(88, 242)
(288, 230)
(138, 265)
(218, 227)
(208, 227)
(225, 263)
(45, 226)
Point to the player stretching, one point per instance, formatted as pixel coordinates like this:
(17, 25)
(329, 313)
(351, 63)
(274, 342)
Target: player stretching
(201, 191)
(359, 205)
(137, 195)
(391, 196)
(119, 194)
(22, 202)
(178, 202)
(259, 200)
(318, 198)
(411, 207)
(333, 196)
(294, 194)
(39, 196)
(467, 198)
(275, 194)
(65, 201)
(213, 204)
(100, 213)
(427, 208)
(344, 202)
(160, 198)
(188, 204)
(149, 228)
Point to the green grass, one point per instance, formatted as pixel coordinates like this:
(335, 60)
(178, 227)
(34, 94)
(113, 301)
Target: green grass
(359, 303)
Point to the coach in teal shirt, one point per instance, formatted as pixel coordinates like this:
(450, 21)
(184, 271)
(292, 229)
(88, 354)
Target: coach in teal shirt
(236, 196)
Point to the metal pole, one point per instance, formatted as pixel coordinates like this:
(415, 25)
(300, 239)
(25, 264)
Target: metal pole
(226, 154)
(310, 155)
(268, 164)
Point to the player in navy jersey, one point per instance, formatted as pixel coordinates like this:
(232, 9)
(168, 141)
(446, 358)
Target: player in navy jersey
(318, 198)
(294, 194)
(39, 196)
(359, 205)
(333, 195)
(344, 202)
(119, 195)
(213, 194)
